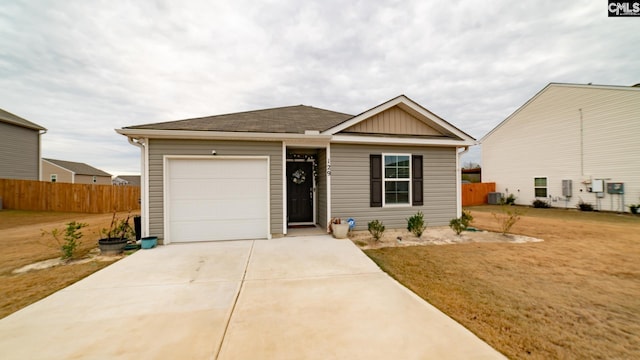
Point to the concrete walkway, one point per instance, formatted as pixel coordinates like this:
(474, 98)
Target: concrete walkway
(291, 298)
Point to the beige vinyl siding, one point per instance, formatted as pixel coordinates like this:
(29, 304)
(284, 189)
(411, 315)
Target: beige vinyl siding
(350, 185)
(543, 139)
(321, 185)
(160, 147)
(393, 121)
(19, 152)
(88, 179)
(63, 175)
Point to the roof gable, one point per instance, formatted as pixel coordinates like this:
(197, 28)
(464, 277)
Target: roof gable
(563, 89)
(399, 116)
(393, 121)
(10, 118)
(78, 168)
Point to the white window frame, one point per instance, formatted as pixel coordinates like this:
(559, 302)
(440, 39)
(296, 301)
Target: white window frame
(53, 178)
(546, 186)
(385, 180)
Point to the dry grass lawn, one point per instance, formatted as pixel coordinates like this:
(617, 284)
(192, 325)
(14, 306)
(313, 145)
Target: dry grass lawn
(575, 295)
(22, 244)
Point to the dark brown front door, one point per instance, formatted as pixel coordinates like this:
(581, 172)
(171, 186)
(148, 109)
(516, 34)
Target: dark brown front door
(300, 192)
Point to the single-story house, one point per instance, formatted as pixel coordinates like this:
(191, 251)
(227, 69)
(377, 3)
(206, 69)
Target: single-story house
(73, 172)
(19, 147)
(570, 143)
(254, 174)
(129, 180)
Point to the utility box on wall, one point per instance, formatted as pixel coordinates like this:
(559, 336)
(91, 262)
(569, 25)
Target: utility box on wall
(615, 188)
(567, 187)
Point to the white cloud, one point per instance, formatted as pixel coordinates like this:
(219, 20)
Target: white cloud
(82, 68)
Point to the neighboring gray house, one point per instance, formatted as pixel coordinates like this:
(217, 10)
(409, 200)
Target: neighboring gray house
(569, 143)
(19, 147)
(253, 174)
(130, 180)
(73, 172)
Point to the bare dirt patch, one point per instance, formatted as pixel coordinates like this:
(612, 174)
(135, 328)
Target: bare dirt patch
(574, 295)
(22, 245)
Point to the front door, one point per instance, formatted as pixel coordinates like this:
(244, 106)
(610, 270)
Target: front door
(300, 192)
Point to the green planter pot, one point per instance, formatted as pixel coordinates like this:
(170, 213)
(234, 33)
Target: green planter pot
(149, 242)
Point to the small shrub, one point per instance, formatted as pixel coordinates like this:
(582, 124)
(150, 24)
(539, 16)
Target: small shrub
(456, 225)
(634, 208)
(509, 200)
(376, 229)
(416, 224)
(462, 223)
(71, 240)
(466, 218)
(507, 218)
(584, 206)
(541, 204)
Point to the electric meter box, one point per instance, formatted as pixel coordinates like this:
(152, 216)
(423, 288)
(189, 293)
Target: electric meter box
(615, 188)
(597, 185)
(566, 188)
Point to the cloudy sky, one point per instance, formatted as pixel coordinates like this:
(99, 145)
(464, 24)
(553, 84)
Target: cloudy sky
(83, 68)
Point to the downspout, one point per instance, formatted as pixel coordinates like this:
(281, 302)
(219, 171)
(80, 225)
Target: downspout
(41, 132)
(459, 181)
(141, 143)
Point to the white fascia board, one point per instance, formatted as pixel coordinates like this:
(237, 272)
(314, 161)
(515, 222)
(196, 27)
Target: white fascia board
(399, 141)
(221, 135)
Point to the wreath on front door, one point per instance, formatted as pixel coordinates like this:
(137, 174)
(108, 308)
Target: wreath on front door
(299, 177)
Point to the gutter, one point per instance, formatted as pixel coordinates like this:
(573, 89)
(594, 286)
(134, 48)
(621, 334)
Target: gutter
(144, 187)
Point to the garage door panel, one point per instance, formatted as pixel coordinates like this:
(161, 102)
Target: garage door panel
(227, 209)
(212, 230)
(217, 199)
(218, 188)
(218, 169)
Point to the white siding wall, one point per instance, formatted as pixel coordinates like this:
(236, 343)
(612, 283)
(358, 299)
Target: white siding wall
(543, 139)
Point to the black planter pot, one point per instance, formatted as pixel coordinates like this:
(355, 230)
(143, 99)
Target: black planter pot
(112, 246)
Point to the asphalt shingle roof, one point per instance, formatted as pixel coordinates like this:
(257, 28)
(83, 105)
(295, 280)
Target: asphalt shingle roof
(10, 118)
(290, 119)
(78, 168)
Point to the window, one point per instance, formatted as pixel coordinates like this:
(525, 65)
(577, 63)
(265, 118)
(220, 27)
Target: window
(397, 179)
(53, 177)
(95, 179)
(540, 186)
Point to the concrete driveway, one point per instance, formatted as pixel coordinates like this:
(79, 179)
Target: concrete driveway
(290, 298)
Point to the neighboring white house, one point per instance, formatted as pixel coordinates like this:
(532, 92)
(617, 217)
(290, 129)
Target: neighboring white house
(569, 143)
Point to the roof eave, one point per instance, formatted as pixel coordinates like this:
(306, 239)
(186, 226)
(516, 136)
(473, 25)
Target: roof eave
(223, 135)
(390, 140)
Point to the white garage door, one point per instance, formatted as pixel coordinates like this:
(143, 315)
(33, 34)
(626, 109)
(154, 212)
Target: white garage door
(217, 199)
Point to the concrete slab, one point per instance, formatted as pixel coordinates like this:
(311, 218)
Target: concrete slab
(289, 298)
(307, 256)
(367, 316)
(170, 302)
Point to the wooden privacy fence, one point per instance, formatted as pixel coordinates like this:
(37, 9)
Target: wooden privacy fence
(476, 193)
(86, 198)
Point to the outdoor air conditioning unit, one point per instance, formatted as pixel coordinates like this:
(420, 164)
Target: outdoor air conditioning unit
(494, 198)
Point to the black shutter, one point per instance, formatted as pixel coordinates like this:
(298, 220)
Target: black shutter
(416, 179)
(375, 177)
